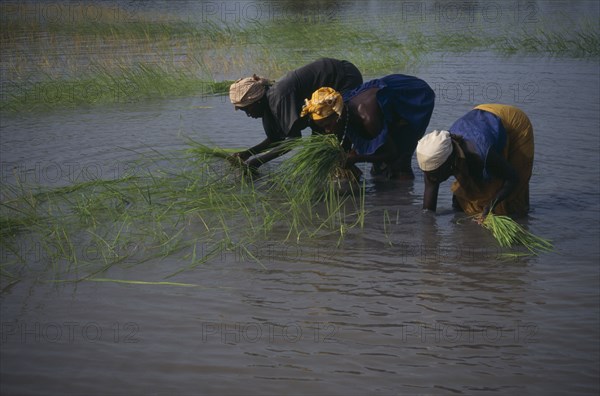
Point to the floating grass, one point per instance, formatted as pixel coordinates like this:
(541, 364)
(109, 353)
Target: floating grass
(386, 223)
(137, 282)
(189, 205)
(509, 233)
(130, 282)
(103, 85)
(201, 149)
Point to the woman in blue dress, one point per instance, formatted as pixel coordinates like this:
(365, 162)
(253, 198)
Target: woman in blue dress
(382, 120)
(490, 153)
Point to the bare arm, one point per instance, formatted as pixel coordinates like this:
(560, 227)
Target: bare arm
(430, 195)
(271, 155)
(259, 148)
(366, 114)
(272, 144)
(386, 153)
(382, 156)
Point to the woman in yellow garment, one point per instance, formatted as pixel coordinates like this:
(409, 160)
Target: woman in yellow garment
(490, 152)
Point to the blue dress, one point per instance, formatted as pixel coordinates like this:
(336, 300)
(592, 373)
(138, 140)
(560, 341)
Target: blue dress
(400, 97)
(484, 130)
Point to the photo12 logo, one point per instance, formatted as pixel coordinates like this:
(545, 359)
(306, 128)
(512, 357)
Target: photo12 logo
(470, 12)
(68, 332)
(67, 12)
(475, 92)
(517, 332)
(268, 11)
(253, 332)
(55, 172)
(72, 93)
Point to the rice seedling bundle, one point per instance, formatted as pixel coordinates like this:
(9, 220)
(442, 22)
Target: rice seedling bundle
(509, 233)
(318, 158)
(310, 182)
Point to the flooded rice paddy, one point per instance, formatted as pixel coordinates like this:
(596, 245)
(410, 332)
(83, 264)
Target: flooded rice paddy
(412, 303)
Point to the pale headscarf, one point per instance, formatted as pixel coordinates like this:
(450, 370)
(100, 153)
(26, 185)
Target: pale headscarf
(433, 150)
(324, 102)
(246, 91)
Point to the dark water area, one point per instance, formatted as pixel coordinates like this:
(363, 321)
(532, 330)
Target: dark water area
(418, 305)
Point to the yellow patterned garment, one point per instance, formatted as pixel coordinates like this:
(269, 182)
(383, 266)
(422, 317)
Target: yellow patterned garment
(518, 151)
(324, 102)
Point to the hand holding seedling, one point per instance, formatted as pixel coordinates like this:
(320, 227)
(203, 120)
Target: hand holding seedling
(238, 158)
(350, 159)
(251, 167)
(480, 219)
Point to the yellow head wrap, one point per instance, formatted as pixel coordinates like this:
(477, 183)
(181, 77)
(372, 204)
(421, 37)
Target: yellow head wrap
(324, 102)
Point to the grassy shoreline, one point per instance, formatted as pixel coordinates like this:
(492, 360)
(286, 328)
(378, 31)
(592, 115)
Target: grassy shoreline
(110, 60)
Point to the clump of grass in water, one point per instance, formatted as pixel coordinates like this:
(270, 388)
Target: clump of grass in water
(312, 176)
(152, 211)
(509, 233)
(181, 202)
(103, 85)
(200, 149)
(164, 56)
(317, 159)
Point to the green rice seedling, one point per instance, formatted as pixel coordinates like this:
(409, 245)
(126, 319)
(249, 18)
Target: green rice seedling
(179, 199)
(312, 182)
(88, 210)
(203, 151)
(387, 222)
(335, 215)
(361, 209)
(316, 159)
(102, 84)
(156, 55)
(306, 178)
(509, 233)
(137, 282)
(12, 222)
(359, 205)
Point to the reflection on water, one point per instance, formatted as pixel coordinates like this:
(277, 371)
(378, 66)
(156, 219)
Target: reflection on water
(411, 304)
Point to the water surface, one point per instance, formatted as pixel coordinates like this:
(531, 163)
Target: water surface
(420, 306)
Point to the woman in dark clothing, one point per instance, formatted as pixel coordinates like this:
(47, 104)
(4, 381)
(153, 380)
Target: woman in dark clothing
(279, 104)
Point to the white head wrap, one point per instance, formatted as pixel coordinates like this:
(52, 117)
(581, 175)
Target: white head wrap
(433, 150)
(246, 91)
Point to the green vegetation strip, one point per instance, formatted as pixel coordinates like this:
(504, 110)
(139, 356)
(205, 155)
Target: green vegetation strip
(116, 60)
(190, 206)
